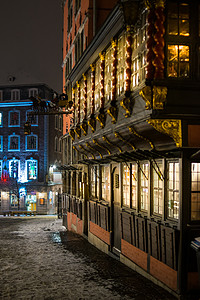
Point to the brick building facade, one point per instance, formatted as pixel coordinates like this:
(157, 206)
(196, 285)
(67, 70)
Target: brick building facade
(29, 181)
(131, 179)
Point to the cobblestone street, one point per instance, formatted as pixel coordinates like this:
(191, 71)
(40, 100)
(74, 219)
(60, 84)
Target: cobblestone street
(39, 259)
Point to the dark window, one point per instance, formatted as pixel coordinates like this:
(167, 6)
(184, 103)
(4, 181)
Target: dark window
(14, 118)
(178, 19)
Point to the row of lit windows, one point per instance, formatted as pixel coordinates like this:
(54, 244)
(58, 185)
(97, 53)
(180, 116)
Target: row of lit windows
(11, 169)
(15, 94)
(136, 186)
(139, 194)
(177, 67)
(31, 143)
(14, 118)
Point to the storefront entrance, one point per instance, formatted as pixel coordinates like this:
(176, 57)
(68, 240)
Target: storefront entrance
(31, 202)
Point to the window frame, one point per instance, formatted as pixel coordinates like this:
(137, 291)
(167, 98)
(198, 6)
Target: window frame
(36, 142)
(27, 168)
(13, 160)
(15, 94)
(9, 138)
(173, 190)
(9, 118)
(33, 92)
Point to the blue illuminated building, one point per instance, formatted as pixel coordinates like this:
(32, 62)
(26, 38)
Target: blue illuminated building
(29, 180)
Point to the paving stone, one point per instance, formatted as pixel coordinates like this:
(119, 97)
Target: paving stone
(41, 260)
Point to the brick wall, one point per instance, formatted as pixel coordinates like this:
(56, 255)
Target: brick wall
(74, 223)
(163, 273)
(100, 233)
(136, 255)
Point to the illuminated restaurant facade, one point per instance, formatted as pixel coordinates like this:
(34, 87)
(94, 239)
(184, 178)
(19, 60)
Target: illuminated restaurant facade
(132, 155)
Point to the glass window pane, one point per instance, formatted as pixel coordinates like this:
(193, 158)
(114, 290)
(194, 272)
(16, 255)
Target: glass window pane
(172, 60)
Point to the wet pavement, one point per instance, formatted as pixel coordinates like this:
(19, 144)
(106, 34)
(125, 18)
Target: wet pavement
(39, 260)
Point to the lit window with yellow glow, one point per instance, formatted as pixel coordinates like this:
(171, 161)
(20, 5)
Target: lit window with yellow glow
(144, 191)
(158, 184)
(105, 182)
(178, 19)
(178, 61)
(173, 190)
(108, 74)
(97, 84)
(94, 182)
(126, 184)
(121, 64)
(134, 185)
(81, 100)
(195, 191)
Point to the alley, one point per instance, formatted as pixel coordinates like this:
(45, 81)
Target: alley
(39, 259)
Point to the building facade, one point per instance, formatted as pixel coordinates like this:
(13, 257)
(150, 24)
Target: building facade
(28, 159)
(131, 179)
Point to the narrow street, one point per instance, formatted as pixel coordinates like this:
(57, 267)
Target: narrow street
(39, 259)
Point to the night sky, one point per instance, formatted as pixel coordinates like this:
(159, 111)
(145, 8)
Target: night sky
(31, 42)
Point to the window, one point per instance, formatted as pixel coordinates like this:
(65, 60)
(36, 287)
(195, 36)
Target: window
(108, 74)
(1, 95)
(33, 119)
(178, 19)
(94, 182)
(173, 189)
(1, 119)
(105, 173)
(60, 145)
(178, 61)
(121, 66)
(13, 199)
(56, 121)
(14, 168)
(144, 172)
(80, 185)
(33, 92)
(1, 143)
(144, 26)
(14, 118)
(15, 95)
(32, 169)
(135, 74)
(82, 100)
(126, 184)
(14, 142)
(97, 84)
(70, 15)
(195, 191)
(157, 187)
(77, 5)
(56, 143)
(134, 185)
(60, 123)
(31, 142)
(42, 201)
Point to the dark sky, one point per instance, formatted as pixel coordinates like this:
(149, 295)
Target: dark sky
(31, 42)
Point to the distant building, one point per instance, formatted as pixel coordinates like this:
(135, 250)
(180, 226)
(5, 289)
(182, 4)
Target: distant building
(29, 180)
(132, 165)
